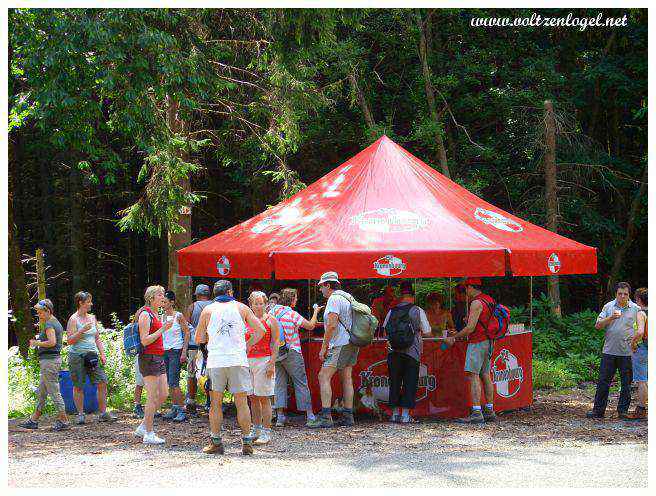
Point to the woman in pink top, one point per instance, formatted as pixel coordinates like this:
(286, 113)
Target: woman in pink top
(262, 365)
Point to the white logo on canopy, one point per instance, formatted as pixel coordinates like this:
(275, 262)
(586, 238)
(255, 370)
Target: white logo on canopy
(386, 220)
(223, 266)
(497, 220)
(389, 265)
(553, 262)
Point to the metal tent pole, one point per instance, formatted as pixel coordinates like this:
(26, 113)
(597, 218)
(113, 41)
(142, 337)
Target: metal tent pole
(530, 303)
(450, 308)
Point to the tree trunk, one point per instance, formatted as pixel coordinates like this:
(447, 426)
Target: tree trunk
(430, 95)
(550, 193)
(631, 232)
(362, 101)
(181, 285)
(19, 297)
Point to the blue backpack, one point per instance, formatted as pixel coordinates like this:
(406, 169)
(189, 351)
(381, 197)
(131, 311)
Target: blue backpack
(131, 339)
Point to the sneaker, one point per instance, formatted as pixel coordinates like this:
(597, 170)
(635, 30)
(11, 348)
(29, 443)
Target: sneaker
(60, 426)
(595, 415)
(181, 416)
(255, 433)
(489, 415)
(247, 445)
(214, 448)
(141, 431)
(280, 421)
(264, 437)
(320, 422)
(346, 420)
(394, 418)
(171, 414)
(107, 417)
(29, 424)
(139, 411)
(407, 420)
(157, 415)
(475, 417)
(80, 419)
(151, 438)
(624, 415)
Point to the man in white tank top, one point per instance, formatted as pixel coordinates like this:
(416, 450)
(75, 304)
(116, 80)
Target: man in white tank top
(222, 327)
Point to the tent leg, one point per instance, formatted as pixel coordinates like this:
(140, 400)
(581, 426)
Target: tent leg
(450, 309)
(530, 303)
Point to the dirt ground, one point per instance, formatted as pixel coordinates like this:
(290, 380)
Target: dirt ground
(552, 443)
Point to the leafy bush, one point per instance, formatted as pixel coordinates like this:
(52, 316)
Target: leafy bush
(569, 343)
(552, 374)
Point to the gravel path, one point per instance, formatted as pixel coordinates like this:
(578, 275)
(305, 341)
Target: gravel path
(550, 445)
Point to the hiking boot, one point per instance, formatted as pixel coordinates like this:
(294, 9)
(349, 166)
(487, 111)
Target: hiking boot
(157, 415)
(489, 415)
(29, 424)
(138, 411)
(475, 417)
(280, 421)
(181, 416)
(215, 447)
(191, 408)
(594, 415)
(640, 413)
(407, 420)
(107, 417)
(624, 416)
(80, 419)
(320, 421)
(395, 418)
(171, 414)
(346, 420)
(60, 426)
(247, 445)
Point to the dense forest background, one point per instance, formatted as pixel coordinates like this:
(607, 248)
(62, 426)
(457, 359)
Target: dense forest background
(120, 117)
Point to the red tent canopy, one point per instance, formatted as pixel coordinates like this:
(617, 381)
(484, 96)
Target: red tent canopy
(384, 213)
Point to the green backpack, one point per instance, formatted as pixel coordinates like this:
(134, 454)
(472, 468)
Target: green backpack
(364, 324)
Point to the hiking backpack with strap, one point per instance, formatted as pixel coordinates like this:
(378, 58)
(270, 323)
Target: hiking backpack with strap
(399, 330)
(131, 339)
(363, 323)
(497, 325)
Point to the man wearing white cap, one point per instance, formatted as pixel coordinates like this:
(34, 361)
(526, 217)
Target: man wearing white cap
(336, 352)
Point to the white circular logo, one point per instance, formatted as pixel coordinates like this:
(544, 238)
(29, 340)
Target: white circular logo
(386, 220)
(553, 262)
(223, 266)
(497, 220)
(507, 374)
(389, 265)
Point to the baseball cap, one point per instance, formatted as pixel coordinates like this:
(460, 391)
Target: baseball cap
(170, 295)
(202, 290)
(44, 304)
(473, 281)
(328, 276)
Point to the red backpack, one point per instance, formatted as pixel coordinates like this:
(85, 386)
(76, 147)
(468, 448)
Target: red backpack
(497, 325)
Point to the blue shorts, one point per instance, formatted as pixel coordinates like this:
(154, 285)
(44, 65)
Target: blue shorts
(172, 365)
(639, 361)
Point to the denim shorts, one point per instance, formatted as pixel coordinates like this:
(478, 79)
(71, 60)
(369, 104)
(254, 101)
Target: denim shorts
(639, 361)
(172, 364)
(477, 359)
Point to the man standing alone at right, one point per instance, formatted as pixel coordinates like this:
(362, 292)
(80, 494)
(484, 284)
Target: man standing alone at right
(618, 318)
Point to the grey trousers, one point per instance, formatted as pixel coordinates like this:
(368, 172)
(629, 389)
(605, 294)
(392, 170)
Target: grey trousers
(49, 383)
(292, 366)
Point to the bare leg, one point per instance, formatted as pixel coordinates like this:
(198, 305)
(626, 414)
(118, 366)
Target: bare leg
(137, 394)
(152, 401)
(243, 413)
(176, 396)
(216, 414)
(102, 397)
(325, 375)
(347, 386)
(256, 410)
(163, 390)
(78, 399)
(642, 394)
(192, 385)
(474, 388)
(265, 408)
(488, 388)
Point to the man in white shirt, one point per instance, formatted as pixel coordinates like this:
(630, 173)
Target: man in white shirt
(222, 327)
(337, 353)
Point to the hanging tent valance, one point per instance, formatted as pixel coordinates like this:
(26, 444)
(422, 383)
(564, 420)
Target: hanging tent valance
(384, 213)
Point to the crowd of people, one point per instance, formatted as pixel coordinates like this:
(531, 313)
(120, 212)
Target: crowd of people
(254, 350)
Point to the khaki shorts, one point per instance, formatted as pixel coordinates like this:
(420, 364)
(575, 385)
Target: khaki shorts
(79, 372)
(262, 385)
(237, 379)
(477, 359)
(341, 357)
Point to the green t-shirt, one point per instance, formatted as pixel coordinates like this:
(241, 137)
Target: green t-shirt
(55, 351)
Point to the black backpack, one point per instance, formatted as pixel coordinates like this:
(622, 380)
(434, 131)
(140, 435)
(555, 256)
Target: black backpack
(399, 330)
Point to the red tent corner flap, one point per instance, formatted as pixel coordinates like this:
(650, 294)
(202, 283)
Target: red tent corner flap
(228, 264)
(553, 262)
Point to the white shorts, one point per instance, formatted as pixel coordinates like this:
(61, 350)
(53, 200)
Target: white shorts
(262, 385)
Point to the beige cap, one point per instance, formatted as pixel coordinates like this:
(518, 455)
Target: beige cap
(328, 276)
